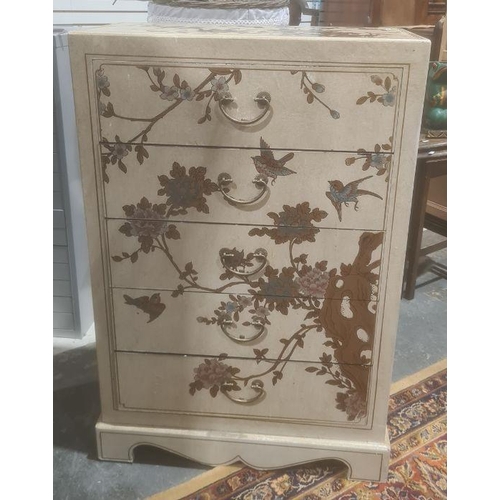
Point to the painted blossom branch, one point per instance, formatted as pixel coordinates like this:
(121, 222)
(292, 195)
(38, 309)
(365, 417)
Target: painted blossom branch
(380, 159)
(178, 93)
(295, 341)
(312, 90)
(388, 97)
(163, 246)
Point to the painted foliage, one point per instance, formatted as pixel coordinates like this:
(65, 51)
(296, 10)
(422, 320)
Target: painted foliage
(301, 284)
(175, 91)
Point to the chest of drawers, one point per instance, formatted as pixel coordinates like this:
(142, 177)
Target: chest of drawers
(247, 197)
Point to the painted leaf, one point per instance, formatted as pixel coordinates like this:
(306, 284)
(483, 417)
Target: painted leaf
(387, 84)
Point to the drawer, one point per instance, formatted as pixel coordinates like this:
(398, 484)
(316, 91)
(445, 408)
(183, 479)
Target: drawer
(246, 185)
(341, 108)
(205, 386)
(242, 326)
(274, 262)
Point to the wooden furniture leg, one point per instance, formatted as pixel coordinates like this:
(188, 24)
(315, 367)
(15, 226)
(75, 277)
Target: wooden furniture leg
(417, 218)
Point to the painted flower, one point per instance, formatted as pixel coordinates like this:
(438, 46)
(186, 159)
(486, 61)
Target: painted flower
(187, 94)
(144, 224)
(169, 93)
(117, 152)
(261, 492)
(293, 224)
(230, 307)
(186, 189)
(244, 301)
(379, 161)
(313, 283)
(102, 81)
(278, 288)
(389, 99)
(212, 373)
(353, 404)
(282, 484)
(219, 86)
(262, 312)
(120, 150)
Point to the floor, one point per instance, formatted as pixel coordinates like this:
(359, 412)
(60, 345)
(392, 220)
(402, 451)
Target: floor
(78, 475)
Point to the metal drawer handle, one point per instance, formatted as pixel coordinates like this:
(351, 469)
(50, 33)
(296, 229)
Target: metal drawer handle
(256, 385)
(263, 98)
(225, 179)
(241, 338)
(226, 255)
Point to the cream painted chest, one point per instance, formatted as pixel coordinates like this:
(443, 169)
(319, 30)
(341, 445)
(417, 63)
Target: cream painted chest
(247, 197)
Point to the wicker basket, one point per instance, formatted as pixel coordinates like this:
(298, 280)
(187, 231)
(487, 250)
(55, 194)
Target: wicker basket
(225, 4)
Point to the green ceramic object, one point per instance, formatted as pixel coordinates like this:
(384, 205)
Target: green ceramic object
(435, 97)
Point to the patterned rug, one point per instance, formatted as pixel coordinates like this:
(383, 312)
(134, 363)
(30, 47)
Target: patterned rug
(417, 430)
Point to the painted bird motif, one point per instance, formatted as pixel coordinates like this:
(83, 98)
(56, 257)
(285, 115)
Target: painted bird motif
(152, 306)
(267, 165)
(343, 195)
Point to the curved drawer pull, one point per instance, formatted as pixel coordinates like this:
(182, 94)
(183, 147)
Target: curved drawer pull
(263, 98)
(260, 182)
(232, 258)
(240, 338)
(256, 385)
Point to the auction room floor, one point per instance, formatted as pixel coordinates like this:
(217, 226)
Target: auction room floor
(78, 475)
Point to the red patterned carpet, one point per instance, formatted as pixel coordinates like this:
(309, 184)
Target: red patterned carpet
(417, 429)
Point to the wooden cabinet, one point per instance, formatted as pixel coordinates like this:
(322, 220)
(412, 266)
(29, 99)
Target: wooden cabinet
(247, 198)
(407, 12)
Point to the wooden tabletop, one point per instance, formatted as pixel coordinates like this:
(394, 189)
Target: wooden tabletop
(436, 147)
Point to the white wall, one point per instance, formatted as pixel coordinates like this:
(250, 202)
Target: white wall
(93, 12)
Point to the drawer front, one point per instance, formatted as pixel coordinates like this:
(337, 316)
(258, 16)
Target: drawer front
(341, 108)
(209, 386)
(277, 263)
(245, 186)
(242, 326)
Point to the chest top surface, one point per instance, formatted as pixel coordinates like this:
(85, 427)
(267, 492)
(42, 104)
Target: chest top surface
(253, 42)
(203, 31)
